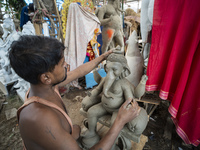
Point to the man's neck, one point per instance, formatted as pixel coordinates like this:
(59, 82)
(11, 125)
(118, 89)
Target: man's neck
(41, 90)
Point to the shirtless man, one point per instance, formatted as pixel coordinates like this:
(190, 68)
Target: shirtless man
(43, 119)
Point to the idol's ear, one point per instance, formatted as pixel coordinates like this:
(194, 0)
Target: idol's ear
(126, 72)
(45, 78)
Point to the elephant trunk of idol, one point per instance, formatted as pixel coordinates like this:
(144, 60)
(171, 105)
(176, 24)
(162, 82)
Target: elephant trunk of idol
(110, 78)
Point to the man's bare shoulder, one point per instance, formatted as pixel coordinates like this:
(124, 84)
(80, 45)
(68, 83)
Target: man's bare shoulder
(36, 111)
(41, 126)
(37, 116)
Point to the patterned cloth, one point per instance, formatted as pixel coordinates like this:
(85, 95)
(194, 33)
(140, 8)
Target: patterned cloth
(93, 46)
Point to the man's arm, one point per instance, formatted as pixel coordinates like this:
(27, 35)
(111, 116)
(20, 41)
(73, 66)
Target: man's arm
(85, 68)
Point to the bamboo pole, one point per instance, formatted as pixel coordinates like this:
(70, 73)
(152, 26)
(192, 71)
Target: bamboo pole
(51, 20)
(59, 20)
(37, 26)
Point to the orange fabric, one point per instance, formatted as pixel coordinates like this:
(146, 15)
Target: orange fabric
(35, 99)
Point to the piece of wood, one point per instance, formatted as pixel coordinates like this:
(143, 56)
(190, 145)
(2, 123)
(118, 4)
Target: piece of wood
(149, 108)
(51, 20)
(150, 101)
(141, 144)
(60, 26)
(37, 29)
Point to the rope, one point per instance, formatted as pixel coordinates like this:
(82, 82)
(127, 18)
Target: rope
(40, 11)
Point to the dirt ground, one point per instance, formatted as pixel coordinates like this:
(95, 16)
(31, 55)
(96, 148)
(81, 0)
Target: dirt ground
(10, 137)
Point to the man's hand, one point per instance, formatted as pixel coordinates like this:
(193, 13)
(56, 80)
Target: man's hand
(108, 53)
(66, 65)
(116, 50)
(128, 111)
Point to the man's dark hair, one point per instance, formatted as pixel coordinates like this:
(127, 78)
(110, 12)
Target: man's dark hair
(31, 56)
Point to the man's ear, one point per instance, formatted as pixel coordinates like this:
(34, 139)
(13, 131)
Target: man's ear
(45, 78)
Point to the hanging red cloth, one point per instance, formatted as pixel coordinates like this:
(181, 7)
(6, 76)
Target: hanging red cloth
(174, 63)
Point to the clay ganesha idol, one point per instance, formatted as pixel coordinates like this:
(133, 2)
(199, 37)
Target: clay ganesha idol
(107, 98)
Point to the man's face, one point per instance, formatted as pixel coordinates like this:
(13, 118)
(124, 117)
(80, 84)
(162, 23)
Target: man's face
(59, 73)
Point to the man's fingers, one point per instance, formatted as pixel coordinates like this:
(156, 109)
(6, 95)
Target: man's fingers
(127, 102)
(117, 51)
(139, 109)
(111, 50)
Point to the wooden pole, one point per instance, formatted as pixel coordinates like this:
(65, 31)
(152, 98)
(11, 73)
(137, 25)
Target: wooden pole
(59, 20)
(38, 27)
(51, 20)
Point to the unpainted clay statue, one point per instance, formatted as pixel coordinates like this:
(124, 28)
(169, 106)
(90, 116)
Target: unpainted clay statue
(112, 33)
(28, 29)
(107, 98)
(134, 60)
(22, 87)
(10, 34)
